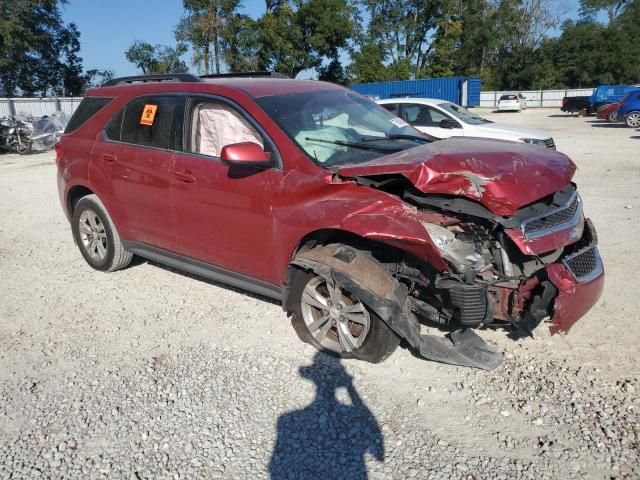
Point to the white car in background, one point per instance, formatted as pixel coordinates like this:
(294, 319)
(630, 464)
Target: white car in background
(512, 103)
(442, 119)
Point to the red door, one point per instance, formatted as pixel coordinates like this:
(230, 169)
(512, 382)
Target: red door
(222, 214)
(137, 153)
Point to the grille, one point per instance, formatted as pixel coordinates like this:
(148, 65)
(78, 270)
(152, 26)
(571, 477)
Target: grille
(583, 264)
(529, 267)
(549, 143)
(556, 218)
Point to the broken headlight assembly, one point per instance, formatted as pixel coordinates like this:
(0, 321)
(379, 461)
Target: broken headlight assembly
(461, 248)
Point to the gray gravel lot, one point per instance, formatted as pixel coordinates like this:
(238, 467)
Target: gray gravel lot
(150, 373)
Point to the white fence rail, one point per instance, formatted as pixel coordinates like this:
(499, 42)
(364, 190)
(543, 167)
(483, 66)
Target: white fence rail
(38, 107)
(535, 98)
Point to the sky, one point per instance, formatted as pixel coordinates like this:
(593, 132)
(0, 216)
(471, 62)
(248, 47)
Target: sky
(108, 29)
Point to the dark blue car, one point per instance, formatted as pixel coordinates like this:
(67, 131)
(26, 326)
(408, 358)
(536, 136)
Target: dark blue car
(630, 110)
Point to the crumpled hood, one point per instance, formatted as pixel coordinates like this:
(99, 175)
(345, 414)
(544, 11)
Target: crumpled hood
(502, 176)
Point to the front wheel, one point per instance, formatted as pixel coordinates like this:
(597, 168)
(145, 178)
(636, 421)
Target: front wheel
(331, 319)
(632, 119)
(612, 116)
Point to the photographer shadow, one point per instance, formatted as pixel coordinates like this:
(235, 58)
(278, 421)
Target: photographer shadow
(329, 438)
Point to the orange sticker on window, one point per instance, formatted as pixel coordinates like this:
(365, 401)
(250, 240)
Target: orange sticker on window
(148, 114)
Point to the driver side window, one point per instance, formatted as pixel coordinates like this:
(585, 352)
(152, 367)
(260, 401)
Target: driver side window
(215, 125)
(423, 115)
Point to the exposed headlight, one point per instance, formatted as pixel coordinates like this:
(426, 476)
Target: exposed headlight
(459, 253)
(534, 141)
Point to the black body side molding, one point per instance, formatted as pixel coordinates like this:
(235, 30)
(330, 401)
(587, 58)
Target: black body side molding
(205, 270)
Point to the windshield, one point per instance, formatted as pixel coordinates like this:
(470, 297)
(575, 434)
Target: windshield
(337, 127)
(463, 114)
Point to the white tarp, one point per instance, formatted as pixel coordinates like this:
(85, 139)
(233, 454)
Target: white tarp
(219, 125)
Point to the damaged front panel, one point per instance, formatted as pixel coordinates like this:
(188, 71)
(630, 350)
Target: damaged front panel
(498, 262)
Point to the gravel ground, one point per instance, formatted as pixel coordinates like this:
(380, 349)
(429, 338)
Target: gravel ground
(150, 373)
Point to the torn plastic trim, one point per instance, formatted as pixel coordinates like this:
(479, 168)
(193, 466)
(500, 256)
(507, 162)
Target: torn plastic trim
(388, 298)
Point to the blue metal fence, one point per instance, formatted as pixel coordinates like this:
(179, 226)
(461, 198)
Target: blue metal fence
(461, 90)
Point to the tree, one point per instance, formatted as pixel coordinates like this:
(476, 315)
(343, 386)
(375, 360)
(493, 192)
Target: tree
(95, 78)
(368, 63)
(295, 36)
(216, 31)
(404, 28)
(614, 8)
(39, 52)
(157, 58)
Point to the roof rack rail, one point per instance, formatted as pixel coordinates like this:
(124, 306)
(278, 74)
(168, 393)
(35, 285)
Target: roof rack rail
(164, 77)
(245, 75)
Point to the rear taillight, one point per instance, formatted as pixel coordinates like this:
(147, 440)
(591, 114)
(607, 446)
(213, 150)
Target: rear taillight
(564, 101)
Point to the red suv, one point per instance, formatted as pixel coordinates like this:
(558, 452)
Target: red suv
(311, 194)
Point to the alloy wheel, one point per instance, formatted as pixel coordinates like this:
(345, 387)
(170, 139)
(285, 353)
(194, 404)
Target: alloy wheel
(93, 235)
(336, 321)
(633, 119)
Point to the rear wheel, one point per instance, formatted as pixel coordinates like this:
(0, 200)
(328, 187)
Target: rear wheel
(633, 119)
(612, 116)
(335, 321)
(97, 237)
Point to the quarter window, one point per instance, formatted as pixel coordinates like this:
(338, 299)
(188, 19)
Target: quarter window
(87, 109)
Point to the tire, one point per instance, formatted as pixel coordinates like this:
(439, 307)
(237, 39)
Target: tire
(97, 237)
(632, 119)
(612, 116)
(25, 148)
(378, 343)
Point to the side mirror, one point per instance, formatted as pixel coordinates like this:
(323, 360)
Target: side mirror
(245, 153)
(448, 123)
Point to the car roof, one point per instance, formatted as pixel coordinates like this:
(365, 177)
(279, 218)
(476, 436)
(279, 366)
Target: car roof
(422, 101)
(255, 87)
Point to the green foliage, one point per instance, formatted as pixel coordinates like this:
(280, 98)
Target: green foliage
(157, 58)
(38, 52)
(295, 36)
(217, 33)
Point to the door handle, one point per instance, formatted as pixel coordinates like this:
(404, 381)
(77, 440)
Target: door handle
(109, 157)
(185, 176)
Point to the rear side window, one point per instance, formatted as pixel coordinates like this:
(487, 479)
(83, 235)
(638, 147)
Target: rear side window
(87, 109)
(148, 122)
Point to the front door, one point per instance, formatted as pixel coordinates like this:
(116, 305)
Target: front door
(223, 213)
(427, 119)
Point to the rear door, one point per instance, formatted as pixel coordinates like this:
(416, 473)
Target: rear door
(139, 152)
(223, 213)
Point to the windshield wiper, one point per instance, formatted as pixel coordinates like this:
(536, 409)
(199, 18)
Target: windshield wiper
(362, 146)
(399, 136)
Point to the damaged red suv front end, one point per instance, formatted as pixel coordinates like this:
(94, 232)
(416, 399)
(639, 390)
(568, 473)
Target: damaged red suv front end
(511, 231)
